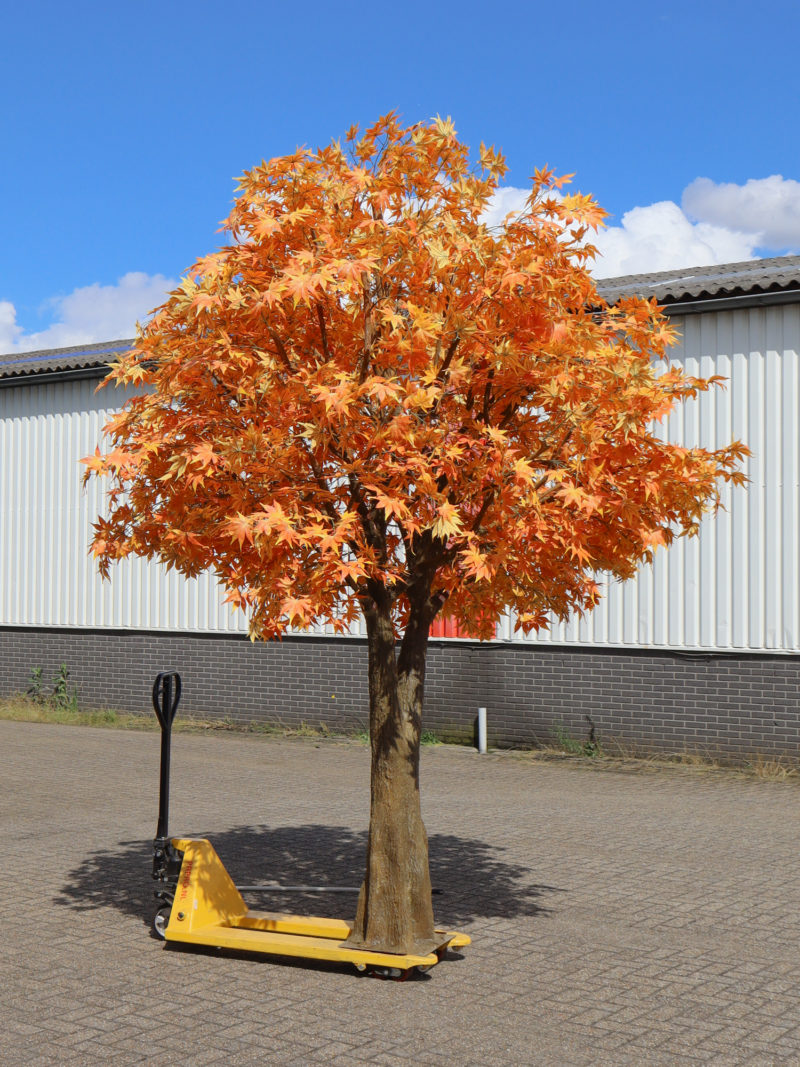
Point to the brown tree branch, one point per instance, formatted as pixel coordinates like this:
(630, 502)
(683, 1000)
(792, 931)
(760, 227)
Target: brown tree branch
(487, 396)
(277, 341)
(323, 332)
(487, 502)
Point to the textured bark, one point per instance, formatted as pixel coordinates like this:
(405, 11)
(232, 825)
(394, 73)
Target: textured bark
(395, 911)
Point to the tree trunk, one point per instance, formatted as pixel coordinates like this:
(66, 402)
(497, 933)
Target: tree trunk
(395, 910)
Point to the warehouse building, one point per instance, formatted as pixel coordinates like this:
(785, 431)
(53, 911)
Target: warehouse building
(700, 652)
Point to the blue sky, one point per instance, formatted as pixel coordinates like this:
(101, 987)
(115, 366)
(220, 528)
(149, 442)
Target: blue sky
(124, 126)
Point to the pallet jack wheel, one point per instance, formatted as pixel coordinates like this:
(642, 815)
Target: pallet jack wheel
(389, 974)
(161, 921)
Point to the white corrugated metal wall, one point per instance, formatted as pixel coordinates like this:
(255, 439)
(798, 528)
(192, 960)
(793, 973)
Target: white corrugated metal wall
(48, 578)
(736, 587)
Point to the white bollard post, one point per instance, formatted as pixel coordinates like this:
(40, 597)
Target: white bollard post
(482, 730)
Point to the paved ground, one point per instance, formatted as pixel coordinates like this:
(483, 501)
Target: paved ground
(617, 918)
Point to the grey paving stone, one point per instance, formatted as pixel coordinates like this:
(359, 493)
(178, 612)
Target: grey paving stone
(618, 918)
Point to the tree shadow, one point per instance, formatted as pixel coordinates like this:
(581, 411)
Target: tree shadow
(470, 877)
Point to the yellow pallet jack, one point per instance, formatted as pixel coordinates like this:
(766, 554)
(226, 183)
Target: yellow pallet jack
(198, 903)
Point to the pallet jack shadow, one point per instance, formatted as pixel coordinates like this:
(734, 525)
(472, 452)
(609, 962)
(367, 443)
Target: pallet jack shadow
(474, 879)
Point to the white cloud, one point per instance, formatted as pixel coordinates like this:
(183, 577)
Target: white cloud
(657, 237)
(661, 237)
(89, 314)
(9, 330)
(505, 200)
(716, 223)
(768, 207)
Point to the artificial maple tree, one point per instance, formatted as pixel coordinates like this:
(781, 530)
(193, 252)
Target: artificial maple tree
(372, 403)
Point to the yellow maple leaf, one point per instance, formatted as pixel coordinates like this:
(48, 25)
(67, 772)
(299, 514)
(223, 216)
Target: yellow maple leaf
(448, 521)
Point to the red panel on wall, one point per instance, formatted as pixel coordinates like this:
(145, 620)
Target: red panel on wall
(448, 627)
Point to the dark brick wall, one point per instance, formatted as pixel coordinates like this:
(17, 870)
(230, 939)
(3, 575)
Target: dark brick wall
(727, 705)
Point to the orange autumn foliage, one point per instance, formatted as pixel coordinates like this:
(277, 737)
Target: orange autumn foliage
(370, 388)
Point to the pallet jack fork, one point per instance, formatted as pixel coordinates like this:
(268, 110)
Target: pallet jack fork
(199, 904)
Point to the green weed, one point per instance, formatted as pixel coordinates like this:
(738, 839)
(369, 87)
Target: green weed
(567, 743)
(62, 697)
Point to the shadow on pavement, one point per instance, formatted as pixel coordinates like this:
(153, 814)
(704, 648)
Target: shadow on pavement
(471, 878)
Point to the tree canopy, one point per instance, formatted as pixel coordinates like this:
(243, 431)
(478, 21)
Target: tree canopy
(369, 385)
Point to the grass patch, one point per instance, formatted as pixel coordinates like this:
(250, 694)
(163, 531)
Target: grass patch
(773, 768)
(428, 737)
(22, 709)
(27, 709)
(619, 757)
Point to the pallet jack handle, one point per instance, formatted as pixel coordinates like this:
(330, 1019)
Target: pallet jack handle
(166, 695)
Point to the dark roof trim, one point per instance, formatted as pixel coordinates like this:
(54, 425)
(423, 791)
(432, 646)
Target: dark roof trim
(732, 303)
(99, 371)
